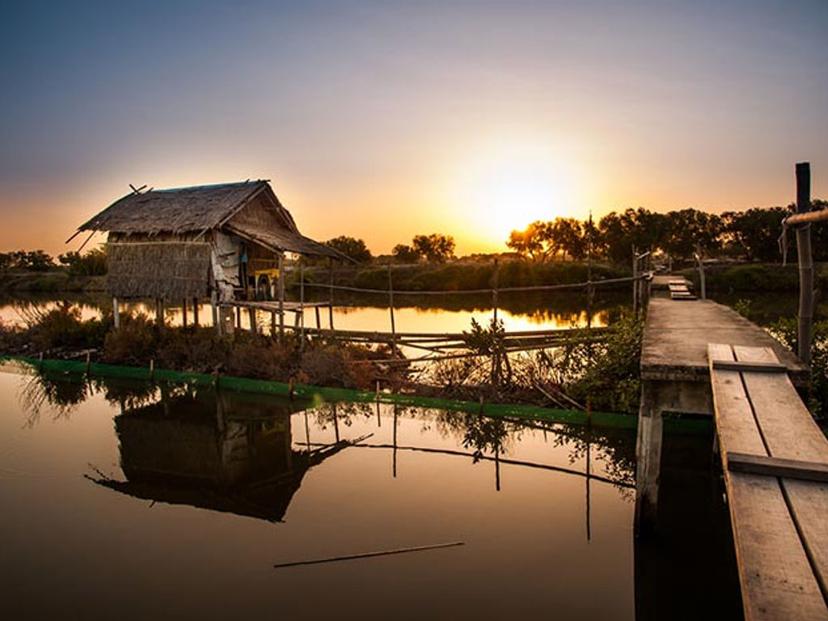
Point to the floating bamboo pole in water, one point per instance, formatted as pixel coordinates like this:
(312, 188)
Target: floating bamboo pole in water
(350, 557)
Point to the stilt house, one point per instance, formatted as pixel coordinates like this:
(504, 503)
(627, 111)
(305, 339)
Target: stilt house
(211, 241)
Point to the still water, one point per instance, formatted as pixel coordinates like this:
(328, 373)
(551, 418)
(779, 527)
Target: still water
(132, 501)
(441, 314)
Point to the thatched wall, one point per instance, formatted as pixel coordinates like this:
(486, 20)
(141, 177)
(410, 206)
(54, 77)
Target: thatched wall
(158, 269)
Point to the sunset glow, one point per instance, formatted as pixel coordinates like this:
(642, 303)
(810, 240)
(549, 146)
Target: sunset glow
(509, 186)
(382, 121)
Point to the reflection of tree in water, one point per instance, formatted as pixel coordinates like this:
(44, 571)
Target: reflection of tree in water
(60, 392)
(63, 393)
(613, 448)
(341, 413)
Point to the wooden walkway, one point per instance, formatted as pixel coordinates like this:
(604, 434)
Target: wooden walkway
(774, 456)
(775, 462)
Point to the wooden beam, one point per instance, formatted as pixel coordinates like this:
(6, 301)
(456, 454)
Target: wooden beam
(777, 467)
(752, 367)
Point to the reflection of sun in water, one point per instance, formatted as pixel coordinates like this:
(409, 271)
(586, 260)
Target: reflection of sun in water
(510, 187)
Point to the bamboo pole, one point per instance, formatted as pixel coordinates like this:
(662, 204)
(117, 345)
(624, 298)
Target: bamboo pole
(702, 284)
(497, 346)
(806, 264)
(301, 304)
(330, 294)
(635, 279)
(159, 312)
(391, 310)
(215, 312)
(116, 313)
(281, 296)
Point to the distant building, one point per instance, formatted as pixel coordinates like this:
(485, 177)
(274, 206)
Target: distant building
(221, 242)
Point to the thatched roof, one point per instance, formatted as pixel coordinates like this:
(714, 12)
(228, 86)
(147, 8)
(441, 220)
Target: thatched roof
(203, 208)
(135, 269)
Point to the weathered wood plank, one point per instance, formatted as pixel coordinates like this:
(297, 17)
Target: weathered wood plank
(789, 429)
(775, 565)
(776, 578)
(791, 433)
(777, 467)
(735, 425)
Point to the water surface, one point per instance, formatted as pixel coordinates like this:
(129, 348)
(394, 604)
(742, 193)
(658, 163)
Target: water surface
(135, 501)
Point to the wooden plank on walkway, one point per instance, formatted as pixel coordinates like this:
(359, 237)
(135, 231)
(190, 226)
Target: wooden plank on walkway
(779, 560)
(676, 335)
(791, 433)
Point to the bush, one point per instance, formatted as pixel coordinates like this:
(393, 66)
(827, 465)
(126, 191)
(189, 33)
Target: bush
(62, 327)
(93, 263)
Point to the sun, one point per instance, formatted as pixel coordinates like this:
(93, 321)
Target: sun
(507, 188)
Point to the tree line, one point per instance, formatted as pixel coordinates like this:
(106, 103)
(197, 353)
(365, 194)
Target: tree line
(93, 263)
(752, 235)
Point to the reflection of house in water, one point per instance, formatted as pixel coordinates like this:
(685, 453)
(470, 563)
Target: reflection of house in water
(224, 452)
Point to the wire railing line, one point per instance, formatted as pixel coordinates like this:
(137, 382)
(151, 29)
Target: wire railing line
(577, 285)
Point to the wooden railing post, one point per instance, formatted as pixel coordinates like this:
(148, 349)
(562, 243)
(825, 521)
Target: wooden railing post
(301, 304)
(806, 264)
(281, 296)
(635, 279)
(116, 313)
(391, 310)
(702, 284)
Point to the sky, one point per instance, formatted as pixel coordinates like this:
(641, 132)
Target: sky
(382, 120)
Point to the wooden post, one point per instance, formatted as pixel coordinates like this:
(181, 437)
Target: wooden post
(281, 295)
(159, 312)
(391, 310)
(648, 460)
(318, 320)
(495, 278)
(116, 314)
(702, 285)
(496, 356)
(195, 312)
(635, 280)
(301, 304)
(252, 315)
(806, 264)
(215, 311)
(330, 294)
(184, 313)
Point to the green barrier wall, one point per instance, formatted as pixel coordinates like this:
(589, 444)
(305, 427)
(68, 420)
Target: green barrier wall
(326, 393)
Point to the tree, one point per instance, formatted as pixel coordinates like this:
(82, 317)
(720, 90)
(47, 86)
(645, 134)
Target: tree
(568, 237)
(531, 242)
(688, 228)
(351, 247)
(754, 233)
(93, 263)
(403, 253)
(435, 247)
(31, 260)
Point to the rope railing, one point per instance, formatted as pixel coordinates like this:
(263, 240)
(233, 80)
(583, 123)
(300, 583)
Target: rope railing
(488, 290)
